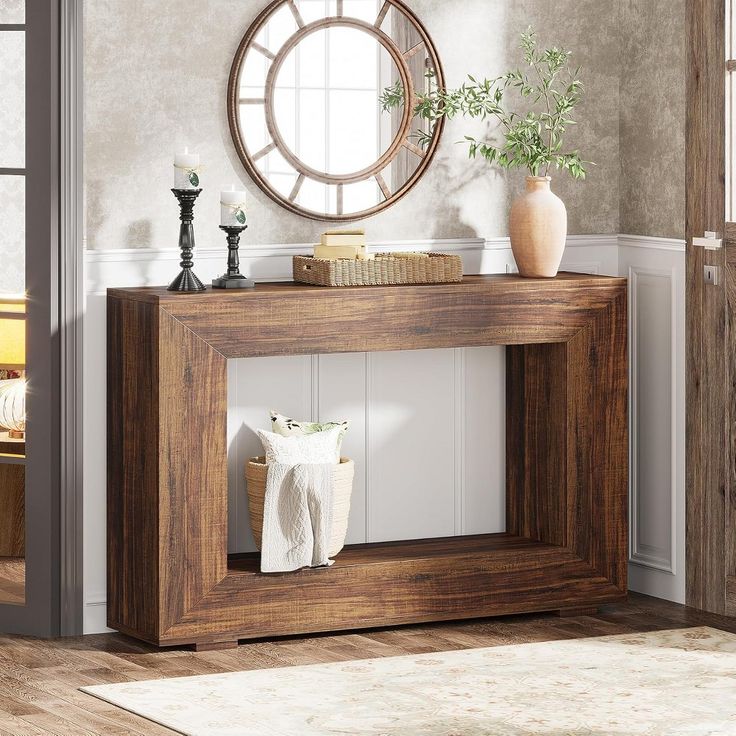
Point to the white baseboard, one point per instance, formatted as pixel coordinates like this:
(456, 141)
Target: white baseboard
(95, 616)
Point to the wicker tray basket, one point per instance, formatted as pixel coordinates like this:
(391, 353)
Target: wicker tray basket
(385, 268)
(342, 478)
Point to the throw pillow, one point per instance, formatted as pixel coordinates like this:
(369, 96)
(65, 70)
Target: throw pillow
(318, 447)
(291, 428)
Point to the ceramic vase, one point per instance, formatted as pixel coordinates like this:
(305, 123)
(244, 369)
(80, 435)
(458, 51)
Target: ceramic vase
(538, 228)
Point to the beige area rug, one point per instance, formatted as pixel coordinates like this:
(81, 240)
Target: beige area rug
(667, 683)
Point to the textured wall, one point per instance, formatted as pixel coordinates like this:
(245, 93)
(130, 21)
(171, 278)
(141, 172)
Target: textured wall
(155, 80)
(653, 73)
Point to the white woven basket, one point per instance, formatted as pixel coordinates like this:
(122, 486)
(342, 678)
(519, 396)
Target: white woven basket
(342, 479)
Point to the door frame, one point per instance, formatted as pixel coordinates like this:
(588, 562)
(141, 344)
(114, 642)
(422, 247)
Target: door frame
(54, 280)
(71, 303)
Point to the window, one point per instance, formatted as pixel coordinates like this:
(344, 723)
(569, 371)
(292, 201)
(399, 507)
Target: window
(12, 305)
(12, 147)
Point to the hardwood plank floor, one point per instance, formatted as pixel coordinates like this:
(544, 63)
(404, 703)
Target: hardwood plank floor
(39, 678)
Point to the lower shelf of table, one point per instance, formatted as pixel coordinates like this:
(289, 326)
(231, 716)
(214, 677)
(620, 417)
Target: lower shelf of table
(412, 550)
(393, 583)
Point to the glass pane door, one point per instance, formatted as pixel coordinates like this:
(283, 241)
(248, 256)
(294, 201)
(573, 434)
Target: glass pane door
(12, 301)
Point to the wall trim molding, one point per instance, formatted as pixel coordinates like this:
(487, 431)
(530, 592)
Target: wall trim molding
(573, 241)
(272, 262)
(647, 241)
(272, 250)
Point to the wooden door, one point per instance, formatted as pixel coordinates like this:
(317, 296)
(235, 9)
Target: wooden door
(711, 360)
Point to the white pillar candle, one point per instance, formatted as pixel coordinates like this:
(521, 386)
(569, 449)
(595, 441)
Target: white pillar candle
(232, 207)
(186, 170)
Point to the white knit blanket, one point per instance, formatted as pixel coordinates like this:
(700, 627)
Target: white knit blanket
(297, 517)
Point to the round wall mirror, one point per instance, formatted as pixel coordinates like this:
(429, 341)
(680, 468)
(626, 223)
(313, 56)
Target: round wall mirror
(320, 103)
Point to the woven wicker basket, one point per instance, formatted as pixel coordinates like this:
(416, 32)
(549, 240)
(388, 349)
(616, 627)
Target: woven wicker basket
(342, 479)
(385, 268)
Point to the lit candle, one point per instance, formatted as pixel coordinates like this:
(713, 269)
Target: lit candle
(186, 170)
(232, 207)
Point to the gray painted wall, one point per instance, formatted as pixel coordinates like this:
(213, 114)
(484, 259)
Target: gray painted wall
(653, 73)
(156, 75)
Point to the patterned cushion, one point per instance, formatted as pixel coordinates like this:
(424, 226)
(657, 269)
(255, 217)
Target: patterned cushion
(291, 428)
(318, 447)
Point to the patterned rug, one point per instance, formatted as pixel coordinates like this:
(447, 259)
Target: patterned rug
(666, 683)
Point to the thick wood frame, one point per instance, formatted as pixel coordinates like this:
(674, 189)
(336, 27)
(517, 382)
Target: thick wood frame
(169, 577)
(401, 140)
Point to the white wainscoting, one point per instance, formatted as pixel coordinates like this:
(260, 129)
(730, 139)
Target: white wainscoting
(656, 271)
(427, 427)
(426, 433)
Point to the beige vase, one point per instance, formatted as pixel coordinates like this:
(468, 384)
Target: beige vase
(538, 227)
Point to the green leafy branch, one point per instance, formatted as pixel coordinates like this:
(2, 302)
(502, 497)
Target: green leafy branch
(531, 140)
(393, 97)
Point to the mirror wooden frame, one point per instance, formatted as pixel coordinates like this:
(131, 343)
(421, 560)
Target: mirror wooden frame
(401, 140)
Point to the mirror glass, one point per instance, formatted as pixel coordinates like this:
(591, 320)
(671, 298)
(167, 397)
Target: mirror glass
(329, 116)
(321, 103)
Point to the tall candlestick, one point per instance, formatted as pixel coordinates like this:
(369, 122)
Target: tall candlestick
(232, 208)
(186, 170)
(186, 280)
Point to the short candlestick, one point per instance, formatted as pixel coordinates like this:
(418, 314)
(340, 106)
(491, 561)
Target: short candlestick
(233, 279)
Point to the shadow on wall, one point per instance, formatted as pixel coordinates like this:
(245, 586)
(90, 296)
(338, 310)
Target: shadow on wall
(451, 182)
(139, 235)
(94, 203)
(243, 445)
(139, 272)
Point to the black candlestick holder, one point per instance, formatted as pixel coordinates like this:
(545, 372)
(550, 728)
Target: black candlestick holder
(186, 280)
(233, 279)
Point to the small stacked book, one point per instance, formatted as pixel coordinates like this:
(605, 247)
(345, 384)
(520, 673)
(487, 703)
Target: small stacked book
(343, 244)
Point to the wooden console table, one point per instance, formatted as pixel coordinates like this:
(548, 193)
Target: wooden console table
(170, 580)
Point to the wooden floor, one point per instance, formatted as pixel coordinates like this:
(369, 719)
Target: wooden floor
(12, 580)
(39, 679)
